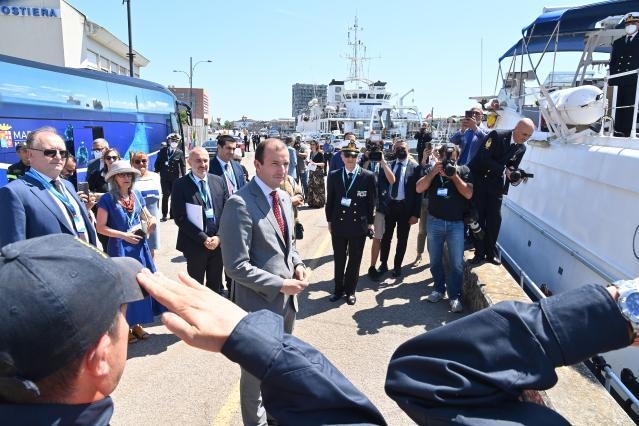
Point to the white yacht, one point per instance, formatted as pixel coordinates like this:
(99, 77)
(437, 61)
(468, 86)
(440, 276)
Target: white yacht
(576, 221)
(359, 105)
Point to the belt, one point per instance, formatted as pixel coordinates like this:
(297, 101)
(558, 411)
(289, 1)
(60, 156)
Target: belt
(397, 201)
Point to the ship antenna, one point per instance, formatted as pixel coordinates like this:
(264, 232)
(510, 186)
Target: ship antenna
(358, 55)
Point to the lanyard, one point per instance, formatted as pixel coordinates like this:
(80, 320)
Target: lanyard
(205, 194)
(355, 173)
(168, 157)
(64, 199)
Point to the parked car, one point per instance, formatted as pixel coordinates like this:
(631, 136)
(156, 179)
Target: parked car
(211, 147)
(273, 133)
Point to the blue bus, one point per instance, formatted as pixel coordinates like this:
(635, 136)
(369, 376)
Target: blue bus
(132, 114)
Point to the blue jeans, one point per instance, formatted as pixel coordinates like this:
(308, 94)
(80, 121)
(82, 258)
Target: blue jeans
(452, 233)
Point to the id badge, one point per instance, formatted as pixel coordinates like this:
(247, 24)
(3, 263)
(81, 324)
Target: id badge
(346, 202)
(442, 192)
(166, 163)
(79, 224)
(209, 213)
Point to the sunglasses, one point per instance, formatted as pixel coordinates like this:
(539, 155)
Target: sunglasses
(141, 161)
(51, 153)
(111, 157)
(129, 175)
(350, 154)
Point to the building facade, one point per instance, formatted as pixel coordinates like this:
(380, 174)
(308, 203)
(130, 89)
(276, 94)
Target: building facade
(56, 33)
(302, 95)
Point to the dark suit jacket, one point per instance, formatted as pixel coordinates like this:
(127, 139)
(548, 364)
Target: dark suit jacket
(175, 168)
(27, 210)
(354, 220)
(190, 237)
(624, 57)
(94, 177)
(216, 169)
(495, 154)
(413, 199)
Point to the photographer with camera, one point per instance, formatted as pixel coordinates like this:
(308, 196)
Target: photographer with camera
(350, 203)
(471, 135)
(499, 156)
(448, 188)
(373, 160)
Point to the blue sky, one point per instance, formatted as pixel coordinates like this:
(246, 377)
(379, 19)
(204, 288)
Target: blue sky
(260, 49)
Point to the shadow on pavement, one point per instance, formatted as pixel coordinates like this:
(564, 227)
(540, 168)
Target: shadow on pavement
(154, 345)
(316, 263)
(312, 306)
(178, 259)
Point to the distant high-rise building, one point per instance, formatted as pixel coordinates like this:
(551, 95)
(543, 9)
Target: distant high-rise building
(200, 112)
(303, 93)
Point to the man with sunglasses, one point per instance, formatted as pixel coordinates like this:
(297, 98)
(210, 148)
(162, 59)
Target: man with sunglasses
(41, 203)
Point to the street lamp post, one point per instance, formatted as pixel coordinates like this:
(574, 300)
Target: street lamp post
(190, 77)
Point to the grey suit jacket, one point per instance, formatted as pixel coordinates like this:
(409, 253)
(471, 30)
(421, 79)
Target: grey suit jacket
(255, 254)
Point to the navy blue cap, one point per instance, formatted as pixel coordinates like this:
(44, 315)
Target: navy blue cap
(59, 295)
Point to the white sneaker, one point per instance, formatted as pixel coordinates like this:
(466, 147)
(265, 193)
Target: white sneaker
(456, 306)
(434, 296)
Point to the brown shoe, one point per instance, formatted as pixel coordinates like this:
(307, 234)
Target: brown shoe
(139, 332)
(132, 338)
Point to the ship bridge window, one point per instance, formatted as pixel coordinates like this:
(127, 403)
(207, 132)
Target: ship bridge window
(362, 95)
(380, 96)
(387, 97)
(371, 96)
(347, 95)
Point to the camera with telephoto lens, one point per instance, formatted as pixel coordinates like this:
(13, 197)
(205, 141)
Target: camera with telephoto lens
(519, 174)
(470, 220)
(448, 163)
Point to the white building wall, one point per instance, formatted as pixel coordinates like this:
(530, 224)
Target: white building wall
(72, 35)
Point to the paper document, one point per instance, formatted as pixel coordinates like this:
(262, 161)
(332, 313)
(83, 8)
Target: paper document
(194, 214)
(311, 167)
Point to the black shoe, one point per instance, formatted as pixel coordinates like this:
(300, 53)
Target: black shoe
(335, 297)
(351, 299)
(373, 274)
(163, 219)
(476, 260)
(397, 272)
(495, 261)
(383, 268)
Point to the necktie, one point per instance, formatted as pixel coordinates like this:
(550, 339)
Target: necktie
(398, 175)
(210, 222)
(230, 178)
(58, 185)
(277, 212)
(349, 179)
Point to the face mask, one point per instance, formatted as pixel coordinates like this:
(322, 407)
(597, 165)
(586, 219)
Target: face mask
(97, 153)
(401, 154)
(173, 145)
(631, 29)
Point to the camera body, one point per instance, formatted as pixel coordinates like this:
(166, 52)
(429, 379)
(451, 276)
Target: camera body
(448, 164)
(469, 114)
(374, 152)
(519, 174)
(470, 220)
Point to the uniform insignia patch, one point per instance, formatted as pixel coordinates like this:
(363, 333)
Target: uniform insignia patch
(489, 142)
(362, 193)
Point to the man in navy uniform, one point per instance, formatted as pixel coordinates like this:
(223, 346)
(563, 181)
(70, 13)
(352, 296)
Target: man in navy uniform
(350, 203)
(625, 57)
(170, 164)
(499, 155)
(17, 170)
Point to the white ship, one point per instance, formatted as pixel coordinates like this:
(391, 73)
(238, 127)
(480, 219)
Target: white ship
(576, 221)
(359, 105)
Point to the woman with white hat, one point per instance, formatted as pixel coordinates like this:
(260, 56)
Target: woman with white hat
(119, 218)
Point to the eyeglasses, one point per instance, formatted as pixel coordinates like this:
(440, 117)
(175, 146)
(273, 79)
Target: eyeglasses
(350, 154)
(111, 157)
(141, 161)
(51, 153)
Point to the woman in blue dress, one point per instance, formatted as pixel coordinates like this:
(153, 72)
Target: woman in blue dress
(119, 212)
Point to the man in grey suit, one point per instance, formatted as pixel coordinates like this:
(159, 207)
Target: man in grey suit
(256, 231)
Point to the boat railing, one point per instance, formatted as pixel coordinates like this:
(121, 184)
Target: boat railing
(525, 282)
(614, 107)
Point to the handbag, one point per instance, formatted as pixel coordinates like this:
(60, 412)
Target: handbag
(299, 230)
(144, 219)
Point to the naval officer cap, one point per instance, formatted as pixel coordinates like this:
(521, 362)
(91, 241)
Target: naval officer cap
(350, 147)
(173, 137)
(631, 17)
(59, 295)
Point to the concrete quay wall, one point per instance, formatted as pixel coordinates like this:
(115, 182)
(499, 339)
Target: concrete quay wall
(577, 396)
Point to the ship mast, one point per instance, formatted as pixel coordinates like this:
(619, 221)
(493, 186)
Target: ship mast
(358, 56)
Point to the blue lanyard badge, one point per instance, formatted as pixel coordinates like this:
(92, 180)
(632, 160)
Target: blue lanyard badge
(60, 196)
(206, 197)
(355, 173)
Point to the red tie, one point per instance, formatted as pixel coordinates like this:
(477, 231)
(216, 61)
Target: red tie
(277, 212)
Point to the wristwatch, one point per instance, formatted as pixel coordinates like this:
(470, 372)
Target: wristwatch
(628, 301)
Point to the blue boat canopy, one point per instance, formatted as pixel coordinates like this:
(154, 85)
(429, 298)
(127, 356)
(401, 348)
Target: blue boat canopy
(564, 30)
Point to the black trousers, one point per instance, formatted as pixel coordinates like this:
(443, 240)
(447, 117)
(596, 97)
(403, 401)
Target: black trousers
(396, 214)
(353, 248)
(167, 187)
(487, 197)
(201, 263)
(623, 116)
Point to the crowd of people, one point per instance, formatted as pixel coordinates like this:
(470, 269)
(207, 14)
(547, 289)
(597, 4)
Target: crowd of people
(238, 237)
